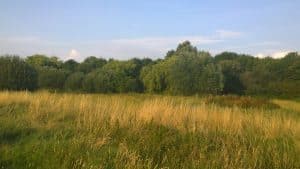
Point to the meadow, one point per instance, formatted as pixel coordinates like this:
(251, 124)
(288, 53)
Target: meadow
(140, 131)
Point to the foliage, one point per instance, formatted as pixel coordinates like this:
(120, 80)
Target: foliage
(15, 74)
(88, 83)
(183, 71)
(211, 80)
(74, 81)
(52, 78)
(70, 65)
(91, 63)
(117, 76)
(154, 78)
(39, 61)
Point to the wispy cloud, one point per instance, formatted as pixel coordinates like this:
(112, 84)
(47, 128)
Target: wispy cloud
(229, 34)
(166, 41)
(117, 48)
(151, 46)
(29, 45)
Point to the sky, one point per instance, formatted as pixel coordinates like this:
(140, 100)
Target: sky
(76, 29)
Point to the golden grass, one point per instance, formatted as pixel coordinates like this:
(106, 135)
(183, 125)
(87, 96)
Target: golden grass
(287, 104)
(177, 112)
(186, 114)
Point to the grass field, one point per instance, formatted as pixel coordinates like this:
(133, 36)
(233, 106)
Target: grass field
(43, 130)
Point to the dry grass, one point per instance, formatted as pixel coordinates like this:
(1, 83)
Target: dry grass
(175, 112)
(238, 135)
(288, 104)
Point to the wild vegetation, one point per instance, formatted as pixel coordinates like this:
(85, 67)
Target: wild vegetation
(55, 130)
(184, 71)
(188, 110)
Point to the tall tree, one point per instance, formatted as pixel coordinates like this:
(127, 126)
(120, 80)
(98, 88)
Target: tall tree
(232, 82)
(70, 65)
(51, 78)
(74, 82)
(39, 61)
(91, 63)
(154, 78)
(212, 80)
(16, 74)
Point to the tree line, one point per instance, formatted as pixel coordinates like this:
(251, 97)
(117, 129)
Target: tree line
(184, 71)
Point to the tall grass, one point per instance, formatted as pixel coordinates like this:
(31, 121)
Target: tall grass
(43, 130)
(287, 104)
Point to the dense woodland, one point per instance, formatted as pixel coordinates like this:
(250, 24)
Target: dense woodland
(184, 71)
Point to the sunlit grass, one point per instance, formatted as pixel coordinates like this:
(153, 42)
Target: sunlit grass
(288, 104)
(43, 130)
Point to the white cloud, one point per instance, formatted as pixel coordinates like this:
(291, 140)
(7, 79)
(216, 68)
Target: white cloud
(260, 55)
(280, 54)
(273, 54)
(74, 54)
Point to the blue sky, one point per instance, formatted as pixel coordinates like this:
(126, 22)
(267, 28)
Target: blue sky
(136, 28)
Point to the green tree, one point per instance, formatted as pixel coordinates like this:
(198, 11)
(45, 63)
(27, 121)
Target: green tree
(70, 65)
(226, 56)
(105, 81)
(74, 81)
(91, 63)
(170, 54)
(182, 74)
(183, 70)
(177, 74)
(88, 82)
(39, 61)
(154, 78)
(212, 80)
(51, 78)
(231, 70)
(16, 74)
(293, 71)
(115, 76)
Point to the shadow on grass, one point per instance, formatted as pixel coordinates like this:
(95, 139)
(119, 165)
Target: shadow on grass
(11, 136)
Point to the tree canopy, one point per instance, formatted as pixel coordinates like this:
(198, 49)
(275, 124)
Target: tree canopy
(183, 71)
(16, 74)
